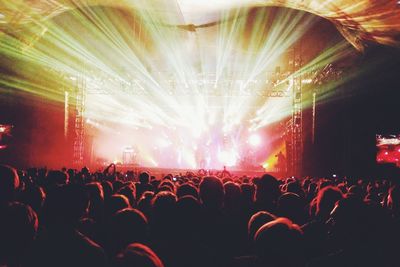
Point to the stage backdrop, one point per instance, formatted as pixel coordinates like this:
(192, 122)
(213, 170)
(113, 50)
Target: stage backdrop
(359, 22)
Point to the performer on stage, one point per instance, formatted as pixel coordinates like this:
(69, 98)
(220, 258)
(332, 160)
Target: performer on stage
(281, 163)
(225, 173)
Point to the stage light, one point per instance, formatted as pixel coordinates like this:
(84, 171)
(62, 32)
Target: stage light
(227, 158)
(163, 143)
(265, 165)
(306, 81)
(187, 117)
(2, 129)
(222, 156)
(254, 140)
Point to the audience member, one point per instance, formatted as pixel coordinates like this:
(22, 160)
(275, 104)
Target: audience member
(83, 218)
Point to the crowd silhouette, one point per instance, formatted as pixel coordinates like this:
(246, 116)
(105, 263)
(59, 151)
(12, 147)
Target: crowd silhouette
(82, 218)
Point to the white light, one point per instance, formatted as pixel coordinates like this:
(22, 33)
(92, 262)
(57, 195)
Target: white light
(163, 143)
(228, 158)
(254, 140)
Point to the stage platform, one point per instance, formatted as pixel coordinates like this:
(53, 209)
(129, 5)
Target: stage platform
(160, 172)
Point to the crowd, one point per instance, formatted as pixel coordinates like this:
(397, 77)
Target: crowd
(82, 218)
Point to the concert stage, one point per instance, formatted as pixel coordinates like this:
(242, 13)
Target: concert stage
(160, 172)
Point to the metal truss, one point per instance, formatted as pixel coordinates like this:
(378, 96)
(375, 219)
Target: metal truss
(297, 117)
(79, 140)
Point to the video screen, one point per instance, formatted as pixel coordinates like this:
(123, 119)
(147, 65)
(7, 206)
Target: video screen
(5, 135)
(388, 149)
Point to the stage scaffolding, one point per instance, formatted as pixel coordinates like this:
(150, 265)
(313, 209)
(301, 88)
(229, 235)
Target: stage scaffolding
(295, 143)
(79, 138)
(294, 128)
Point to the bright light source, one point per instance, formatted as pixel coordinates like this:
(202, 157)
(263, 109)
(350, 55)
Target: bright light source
(2, 129)
(153, 94)
(265, 165)
(254, 140)
(228, 158)
(163, 143)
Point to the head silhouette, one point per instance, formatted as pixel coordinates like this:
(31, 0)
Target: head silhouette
(187, 189)
(164, 202)
(248, 191)
(233, 196)
(275, 240)
(65, 205)
(212, 192)
(257, 220)
(267, 191)
(96, 200)
(137, 254)
(33, 196)
(55, 178)
(292, 206)
(9, 182)
(116, 203)
(326, 200)
(164, 210)
(18, 228)
(127, 226)
(144, 178)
